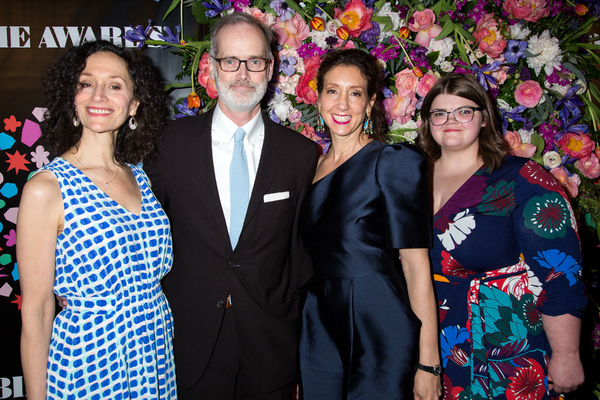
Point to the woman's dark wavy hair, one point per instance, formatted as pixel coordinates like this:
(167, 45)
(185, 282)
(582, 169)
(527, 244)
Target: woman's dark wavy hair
(370, 71)
(61, 83)
(492, 147)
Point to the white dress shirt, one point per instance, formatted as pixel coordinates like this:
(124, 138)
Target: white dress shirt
(222, 132)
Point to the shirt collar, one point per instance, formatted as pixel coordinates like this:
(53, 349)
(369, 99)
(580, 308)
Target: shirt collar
(223, 128)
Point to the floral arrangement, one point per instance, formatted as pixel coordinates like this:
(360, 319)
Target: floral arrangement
(537, 59)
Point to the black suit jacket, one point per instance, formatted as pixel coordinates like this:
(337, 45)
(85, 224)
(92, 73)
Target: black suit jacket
(265, 271)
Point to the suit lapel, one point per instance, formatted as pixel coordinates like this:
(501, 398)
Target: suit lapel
(270, 161)
(203, 173)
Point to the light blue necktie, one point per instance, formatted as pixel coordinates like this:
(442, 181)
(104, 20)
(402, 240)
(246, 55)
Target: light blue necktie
(239, 187)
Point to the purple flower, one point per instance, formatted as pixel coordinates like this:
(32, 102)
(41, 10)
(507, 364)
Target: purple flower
(309, 49)
(287, 65)
(282, 10)
(570, 102)
(184, 110)
(370, 36)
(515, 50)
(525, 74)
(483, 75)
(238, 5)
(514, 114)
(215, 8)
(138, 34)
(170, 38)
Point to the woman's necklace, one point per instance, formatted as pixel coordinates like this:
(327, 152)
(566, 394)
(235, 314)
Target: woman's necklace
(97, 176)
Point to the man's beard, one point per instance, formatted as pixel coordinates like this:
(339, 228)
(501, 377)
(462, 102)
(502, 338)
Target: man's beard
(241, 102)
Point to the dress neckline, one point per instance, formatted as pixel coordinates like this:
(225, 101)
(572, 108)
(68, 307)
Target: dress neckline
(345, 162)
(460, 188)
(105, 194)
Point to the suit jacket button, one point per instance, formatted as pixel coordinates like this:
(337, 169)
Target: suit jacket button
(231, 264)
(220, 303)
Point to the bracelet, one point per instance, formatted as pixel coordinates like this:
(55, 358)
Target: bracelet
(435, 370)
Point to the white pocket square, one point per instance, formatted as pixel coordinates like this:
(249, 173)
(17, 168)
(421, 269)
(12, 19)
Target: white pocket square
(269, 197)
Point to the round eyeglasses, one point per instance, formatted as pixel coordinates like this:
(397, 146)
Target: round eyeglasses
(462, 115)
(232, 64)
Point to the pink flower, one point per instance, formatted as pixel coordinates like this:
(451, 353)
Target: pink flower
(406, 80)
(356, 17)
(571, 184)
(291, 32)
(589, 166)
(427, 81)
(529, 10)
(306, 91)
(423, 22)
(576, 145)
(489, 37)
(501, 74)
(204, 77)
(529, 93)
(516, 147)
(267, 19)
(400, 107)
(295, 116)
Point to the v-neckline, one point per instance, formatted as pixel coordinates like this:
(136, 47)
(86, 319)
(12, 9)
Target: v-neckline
(107, 195)
(460, 188)
(344, 163)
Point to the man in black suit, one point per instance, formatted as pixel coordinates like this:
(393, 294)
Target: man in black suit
(235, 305)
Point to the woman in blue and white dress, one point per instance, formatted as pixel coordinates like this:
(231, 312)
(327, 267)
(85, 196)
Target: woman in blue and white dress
(91, 231)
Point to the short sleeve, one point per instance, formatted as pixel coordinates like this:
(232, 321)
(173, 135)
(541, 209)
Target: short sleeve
(402, 175)
(546, 232)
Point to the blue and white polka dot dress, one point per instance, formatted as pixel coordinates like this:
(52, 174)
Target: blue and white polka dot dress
(114, 339)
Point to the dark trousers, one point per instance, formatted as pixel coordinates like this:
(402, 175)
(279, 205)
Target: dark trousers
(226, 377)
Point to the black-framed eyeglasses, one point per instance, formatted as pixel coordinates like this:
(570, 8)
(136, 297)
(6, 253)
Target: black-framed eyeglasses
(232, 64)
(462, 115)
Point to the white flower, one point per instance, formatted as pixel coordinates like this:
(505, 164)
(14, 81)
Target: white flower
(548, 53)
(555, 87)
(519, 31)
(40, 156)
(288, 84)
(552, 159)
(281, 106)
(525, 135)
(319, 38)
(410, 129)
(447, 66)
(503, 105)
(386, 11)
(444, 46)
(582, 87)
(332, 25)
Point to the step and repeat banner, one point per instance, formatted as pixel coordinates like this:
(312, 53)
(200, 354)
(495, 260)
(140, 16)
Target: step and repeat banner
(33, 33)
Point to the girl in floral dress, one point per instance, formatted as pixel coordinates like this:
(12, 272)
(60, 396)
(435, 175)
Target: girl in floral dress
(506, 256)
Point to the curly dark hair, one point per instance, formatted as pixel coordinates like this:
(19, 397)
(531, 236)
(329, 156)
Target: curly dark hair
(371, 71)
(61, 83)
(492, 147)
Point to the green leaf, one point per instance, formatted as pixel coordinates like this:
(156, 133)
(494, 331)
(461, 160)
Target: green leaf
(199, 13)
(446, 30)
(588, 46)
(295, 6)
(574, 70)
(172, 86)
(538, 141)
(174, 4)
(465, 34)
(461, 48)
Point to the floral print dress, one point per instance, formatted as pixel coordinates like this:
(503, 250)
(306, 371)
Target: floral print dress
(505, 251)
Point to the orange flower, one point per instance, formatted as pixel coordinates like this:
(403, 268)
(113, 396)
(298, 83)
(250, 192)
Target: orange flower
(404, 32)
(193, 100)
(356, 17)
(417, 71)
(343, 32)
(317, 24)
(581, 9)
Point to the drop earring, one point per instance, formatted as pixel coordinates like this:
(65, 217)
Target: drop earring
(320, 123)
(132, 123)
(76, 121)
(368, 126)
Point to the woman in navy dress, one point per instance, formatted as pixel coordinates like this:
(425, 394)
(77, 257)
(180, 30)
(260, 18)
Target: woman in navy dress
(506, 256)
(367, 321)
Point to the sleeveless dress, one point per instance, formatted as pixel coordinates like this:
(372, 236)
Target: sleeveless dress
(359, 335)
(114, 339)
(505, 250)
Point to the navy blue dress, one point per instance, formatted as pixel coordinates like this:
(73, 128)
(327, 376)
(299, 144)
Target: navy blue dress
(359, 335)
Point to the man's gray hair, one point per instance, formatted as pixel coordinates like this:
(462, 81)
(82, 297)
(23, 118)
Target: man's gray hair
(239, 18)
